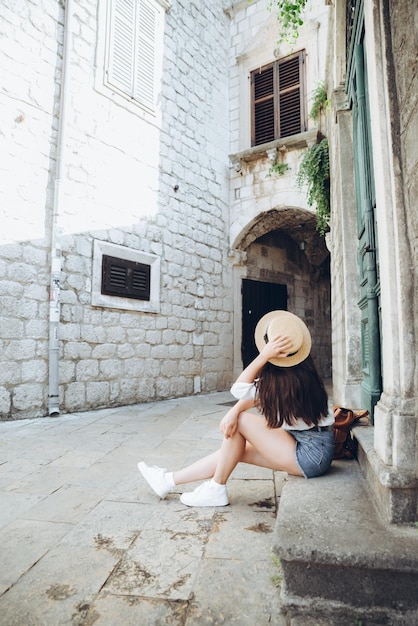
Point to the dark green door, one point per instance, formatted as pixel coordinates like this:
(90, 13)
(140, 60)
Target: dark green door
(368, 257)
(258, 298)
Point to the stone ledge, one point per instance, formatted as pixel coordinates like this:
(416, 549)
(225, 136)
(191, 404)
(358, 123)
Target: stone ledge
(294, 142)
(338, 556)
(395, 492)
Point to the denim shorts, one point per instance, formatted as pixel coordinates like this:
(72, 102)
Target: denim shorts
(314, 451)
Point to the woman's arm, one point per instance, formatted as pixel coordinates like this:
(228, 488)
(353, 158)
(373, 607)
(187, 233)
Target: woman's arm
(277, 347)
(229, 422)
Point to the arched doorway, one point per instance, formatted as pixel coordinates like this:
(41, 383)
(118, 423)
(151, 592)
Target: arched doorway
(284, 263)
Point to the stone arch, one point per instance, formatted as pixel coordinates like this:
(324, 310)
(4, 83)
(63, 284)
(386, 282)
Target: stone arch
(281, 246)
(299, 224)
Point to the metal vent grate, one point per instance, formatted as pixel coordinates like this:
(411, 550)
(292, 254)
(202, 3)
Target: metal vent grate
(126, 279)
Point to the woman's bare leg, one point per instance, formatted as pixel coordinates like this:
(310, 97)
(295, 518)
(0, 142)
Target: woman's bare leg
(231, 453)
(252, 443)
(199, 470)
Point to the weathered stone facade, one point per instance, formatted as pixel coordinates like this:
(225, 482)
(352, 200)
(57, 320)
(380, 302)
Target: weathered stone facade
(85, 167)
(389, 451)
(272, 229)
(156, 184)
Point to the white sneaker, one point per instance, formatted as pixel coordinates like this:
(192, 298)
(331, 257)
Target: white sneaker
(207, 494)
(155, 477)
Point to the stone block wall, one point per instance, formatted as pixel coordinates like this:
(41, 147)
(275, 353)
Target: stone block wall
(308, 292)
(30, 66)
(156, 185)
(263, 202)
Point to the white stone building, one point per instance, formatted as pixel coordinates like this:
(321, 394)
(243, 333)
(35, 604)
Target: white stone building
(141, 233)
(278, 258)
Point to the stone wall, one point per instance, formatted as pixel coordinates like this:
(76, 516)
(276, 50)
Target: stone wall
(272, 228)
(404, 91)
(389, 455)
(156, 185)
(30, 66)
(278, 259)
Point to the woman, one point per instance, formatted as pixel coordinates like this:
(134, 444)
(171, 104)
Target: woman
(294, 435)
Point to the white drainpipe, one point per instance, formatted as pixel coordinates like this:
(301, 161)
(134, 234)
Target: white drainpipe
(56, 263)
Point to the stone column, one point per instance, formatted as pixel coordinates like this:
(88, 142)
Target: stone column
(238, 260)
(347, 374)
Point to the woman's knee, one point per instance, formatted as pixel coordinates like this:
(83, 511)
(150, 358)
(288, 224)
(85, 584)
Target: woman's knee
(246, 418)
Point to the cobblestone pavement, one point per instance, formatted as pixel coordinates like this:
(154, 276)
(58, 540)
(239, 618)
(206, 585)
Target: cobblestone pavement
(85, 541)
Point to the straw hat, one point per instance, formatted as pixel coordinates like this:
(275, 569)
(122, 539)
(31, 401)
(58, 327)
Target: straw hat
(284, 323)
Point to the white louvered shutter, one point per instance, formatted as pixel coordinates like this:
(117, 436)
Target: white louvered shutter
(132, 36)
(122, 45)
(145, 53)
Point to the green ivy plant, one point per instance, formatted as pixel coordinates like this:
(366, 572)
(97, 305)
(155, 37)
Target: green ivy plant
(289, 18)
(278, 168)
(314, 173)
(320, 101)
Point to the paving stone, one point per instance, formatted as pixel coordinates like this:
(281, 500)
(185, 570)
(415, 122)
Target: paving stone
(257, 494)
(84, 456)
(90, 543)
(221, 594)
(36, 537)
(109, 610)
(69, 504)
(16, 469)
(128, 452)
(45, 480)
(111, 526)
(160, 564)
(59, 589)
(102, 475)
(255, 532)
(13, 505)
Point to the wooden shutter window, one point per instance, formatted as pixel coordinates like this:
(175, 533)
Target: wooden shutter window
(263, 128)
(132, 35)
(290, 96)
(278, 100)
(126, 279)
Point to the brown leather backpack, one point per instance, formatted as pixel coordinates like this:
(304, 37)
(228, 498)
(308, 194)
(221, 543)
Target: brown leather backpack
(345, 444)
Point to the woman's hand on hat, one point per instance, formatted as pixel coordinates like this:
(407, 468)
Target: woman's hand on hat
(278, 347)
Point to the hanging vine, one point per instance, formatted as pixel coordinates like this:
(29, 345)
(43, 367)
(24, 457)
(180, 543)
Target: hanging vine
(320, 101)
(314, 172)
(289, 18)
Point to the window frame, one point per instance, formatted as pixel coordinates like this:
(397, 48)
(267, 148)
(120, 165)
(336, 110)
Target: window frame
(105, 81)
(277, 95)
(99, 299)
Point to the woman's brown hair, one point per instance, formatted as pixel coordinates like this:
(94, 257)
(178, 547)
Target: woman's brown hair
(286, 393)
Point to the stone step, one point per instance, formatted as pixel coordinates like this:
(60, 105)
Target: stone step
(340, 563)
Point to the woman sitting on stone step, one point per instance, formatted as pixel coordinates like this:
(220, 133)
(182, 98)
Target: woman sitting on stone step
(294, 432)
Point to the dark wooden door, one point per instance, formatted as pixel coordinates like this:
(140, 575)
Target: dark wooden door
(258, 298)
